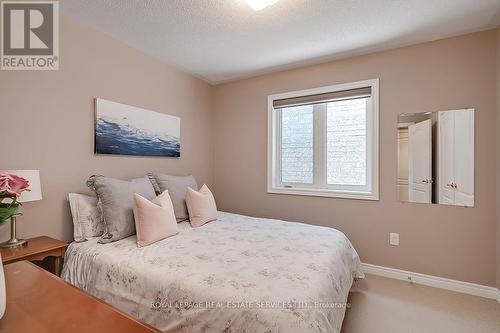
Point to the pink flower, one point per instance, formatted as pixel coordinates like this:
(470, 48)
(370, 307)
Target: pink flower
(12, 184)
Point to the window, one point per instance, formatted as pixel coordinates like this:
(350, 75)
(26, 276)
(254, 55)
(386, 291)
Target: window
(324, 141)
(297, 145)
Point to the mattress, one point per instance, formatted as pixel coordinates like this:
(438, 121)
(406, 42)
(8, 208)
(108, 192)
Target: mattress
(235, 274)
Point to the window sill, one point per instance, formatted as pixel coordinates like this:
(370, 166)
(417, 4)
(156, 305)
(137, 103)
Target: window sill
(324, 193)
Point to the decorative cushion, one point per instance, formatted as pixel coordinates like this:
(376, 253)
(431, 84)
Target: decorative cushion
(177, 188)
(116, 200)
(153, 181)
(87, 218)
(154, 220)
(201, 206)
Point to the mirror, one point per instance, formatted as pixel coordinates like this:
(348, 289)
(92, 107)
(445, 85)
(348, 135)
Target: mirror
(436, 157)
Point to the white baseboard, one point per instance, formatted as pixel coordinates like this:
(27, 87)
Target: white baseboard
(434, 281)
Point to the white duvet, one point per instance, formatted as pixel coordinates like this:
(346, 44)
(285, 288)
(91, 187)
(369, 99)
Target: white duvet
(236, 274)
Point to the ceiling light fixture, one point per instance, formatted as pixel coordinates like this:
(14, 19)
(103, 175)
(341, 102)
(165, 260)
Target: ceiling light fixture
(260, 4)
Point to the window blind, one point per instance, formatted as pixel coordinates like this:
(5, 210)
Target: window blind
(323, 98)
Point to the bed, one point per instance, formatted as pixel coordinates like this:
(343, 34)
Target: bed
(235, 274)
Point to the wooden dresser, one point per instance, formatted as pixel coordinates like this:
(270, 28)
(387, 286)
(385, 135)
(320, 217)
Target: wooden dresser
(38, 301)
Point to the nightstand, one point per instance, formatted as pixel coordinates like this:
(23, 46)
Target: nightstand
(36, 249)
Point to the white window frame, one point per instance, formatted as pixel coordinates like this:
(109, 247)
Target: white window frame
(274, 184)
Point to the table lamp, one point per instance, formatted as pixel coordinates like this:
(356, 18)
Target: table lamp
(35, 194)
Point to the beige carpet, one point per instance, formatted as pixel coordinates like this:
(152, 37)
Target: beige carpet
(385, 305)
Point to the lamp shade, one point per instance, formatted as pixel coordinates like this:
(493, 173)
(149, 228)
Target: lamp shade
(35, 190)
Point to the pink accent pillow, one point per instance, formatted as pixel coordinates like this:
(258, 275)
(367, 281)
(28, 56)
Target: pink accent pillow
(154, 220)
(201, 206)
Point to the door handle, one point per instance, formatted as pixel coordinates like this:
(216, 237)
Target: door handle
(427, 181)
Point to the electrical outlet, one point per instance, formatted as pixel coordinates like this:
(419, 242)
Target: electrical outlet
(394, 238)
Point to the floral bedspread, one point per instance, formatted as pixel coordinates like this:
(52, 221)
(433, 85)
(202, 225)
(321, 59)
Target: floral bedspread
(235, 274)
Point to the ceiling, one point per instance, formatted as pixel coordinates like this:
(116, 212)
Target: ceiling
(224, 40)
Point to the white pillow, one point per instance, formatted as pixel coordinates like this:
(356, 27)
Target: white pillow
(201, 206)
(154, 220)
(87, 219)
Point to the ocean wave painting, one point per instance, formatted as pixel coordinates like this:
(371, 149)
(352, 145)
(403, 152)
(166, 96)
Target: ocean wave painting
(127, 130)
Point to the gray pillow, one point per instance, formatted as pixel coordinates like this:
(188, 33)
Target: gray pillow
(177, 188)
(116, 200)
(153, 181)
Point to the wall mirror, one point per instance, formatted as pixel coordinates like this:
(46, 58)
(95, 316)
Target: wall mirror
(436, 157)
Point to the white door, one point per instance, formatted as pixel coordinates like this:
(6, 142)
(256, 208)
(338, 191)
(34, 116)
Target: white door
(464, 157)
(420, 162)
(446, 152)
(403, 164)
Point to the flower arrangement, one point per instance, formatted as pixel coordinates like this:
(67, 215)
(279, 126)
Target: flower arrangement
(11, 187)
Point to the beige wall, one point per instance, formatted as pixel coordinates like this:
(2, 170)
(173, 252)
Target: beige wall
(498, 159)
(47, 121)
(452, 242)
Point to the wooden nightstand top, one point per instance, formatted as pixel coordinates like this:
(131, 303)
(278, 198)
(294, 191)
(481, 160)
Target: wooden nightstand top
(35, 247)
(38, 301)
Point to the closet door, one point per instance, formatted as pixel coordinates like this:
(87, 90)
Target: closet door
(403, 164)
(464, 157)
(446, 152)
(420, 162)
